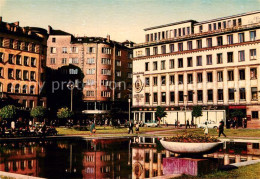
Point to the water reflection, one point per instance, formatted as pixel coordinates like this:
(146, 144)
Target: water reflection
(107, 158)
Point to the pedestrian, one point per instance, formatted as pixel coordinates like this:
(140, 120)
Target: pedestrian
(187, 124)
(245, 123)
(13, 125)
(92, 128)
(192, 123)
(206, 129)
(175, 124)
(166, 123)
(43, 129)
(137, 128)
(221, 129)
(130, 128)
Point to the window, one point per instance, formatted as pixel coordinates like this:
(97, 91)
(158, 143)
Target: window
(181, 96)
(91, 82)
(18, 60)
(89, 93)
(147, 66)
(155, 50)
(155, 98)
(199, 44)
(219, 58)
(155, 66)
(25, 75)
(1, 57)
(231, 93)
(25, 89)
(199, 60)
(220, 76)
(230, 39)
(189, 44)
(209, 77)
(32, 89)
(11, 59)
(147, 37)
(10, 73)
(209, 42)
(171, 63)
(180, 79)
(118, 53)
(90, 49)
(234, 22)
(163, 80)
(19, 45)
(220, 41)
(190, 96)
(242, 75)
(74, 60)
(253, 73)
(220, 95)
(172, 96)
(74, 49)
(255, 114)
(200, 28)
(239, 21)
(155, 81)
(10, 88)
(241, 37)
(230, 75)
(26, 61)
(53, 60)
(118, 73)
(64, 50)
(171, 48)
(1, 73)
(147, 81)
(53, 40)
(129, 65)
(163, 97)
(147, 97)
(209, 59)
(229, 23)
(242, 94)
(129, 75)
(91, 71)
(241, 56)
(199, 77)
(33, 76)
(189, 61)
(105, 94)
(147, 51)
(252, 54)
(106, 61)
(210, 95)
(254, 93)
(180, 63)
(172, 80)
(163, 49)
(175, 32)
(230, 57)
(53, 49)
(163, 65)
(188, 30)
(190, 78)
(33, 62)
(118, 63)
(106, 50)
(252, 35)
(180, 47)
(91, 60)
(11, 43)
(179, 32)
(200, 95)
(151, 37)
(209, 27)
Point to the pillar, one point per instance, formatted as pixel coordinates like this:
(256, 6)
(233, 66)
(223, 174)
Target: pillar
(159, 162)
(249, 157)
(167, 153)
(237, 158)
(151, 163)
(226, 159)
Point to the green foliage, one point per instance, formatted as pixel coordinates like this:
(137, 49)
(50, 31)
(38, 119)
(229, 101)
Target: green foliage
(8, 112)
(197, 111)
(64, 113)
(38, 112)
(237, 113)
(160, 112)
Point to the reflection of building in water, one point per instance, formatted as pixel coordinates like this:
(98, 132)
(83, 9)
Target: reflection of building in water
(106, 159)
(22, 161)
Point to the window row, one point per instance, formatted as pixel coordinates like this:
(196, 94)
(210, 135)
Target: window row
(19, 89)
(209, 95)
(18, 60)
(19, 74)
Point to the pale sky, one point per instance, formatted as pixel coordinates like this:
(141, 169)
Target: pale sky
(122, 19)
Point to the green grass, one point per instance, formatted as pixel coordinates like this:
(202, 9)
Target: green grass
(251, 171)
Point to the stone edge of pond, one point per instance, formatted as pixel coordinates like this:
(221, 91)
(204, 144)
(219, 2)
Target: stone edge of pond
(17, 176)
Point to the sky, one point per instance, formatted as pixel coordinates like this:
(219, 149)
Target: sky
(121, 19)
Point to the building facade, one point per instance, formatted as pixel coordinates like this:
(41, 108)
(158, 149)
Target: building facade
(106, 65)
(22, 61)
(213, 63)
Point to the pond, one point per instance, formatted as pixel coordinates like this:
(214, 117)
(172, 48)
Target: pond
(100, 158)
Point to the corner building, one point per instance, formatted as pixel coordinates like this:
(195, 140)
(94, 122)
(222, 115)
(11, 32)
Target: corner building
(22, 61)
(213, 63)
(106, 64)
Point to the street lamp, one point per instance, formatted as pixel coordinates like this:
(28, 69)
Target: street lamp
(129, 109)
(71, 86)
(185, 105)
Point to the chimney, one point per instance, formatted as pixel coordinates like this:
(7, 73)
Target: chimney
(108, 38)
(49, 29)
(16, 23)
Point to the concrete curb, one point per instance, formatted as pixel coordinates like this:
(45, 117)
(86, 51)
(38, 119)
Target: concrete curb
(17, 176)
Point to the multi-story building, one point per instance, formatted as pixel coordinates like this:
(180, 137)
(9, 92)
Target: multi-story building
(22, 58)
(213, 63)
(106, 65)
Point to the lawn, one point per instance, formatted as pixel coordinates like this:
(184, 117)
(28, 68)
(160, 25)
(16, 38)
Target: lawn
(251, 171)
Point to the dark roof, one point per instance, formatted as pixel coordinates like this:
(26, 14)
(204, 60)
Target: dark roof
(166, 25)
(58, 32)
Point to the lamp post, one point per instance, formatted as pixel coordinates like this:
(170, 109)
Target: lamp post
(185, 105)
(71, 86)
(129, 109)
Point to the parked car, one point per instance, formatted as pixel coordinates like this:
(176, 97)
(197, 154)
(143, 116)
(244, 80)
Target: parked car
(150, 124)
(210, 124)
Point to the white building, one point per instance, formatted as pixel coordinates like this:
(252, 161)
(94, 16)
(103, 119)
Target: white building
(214, 64)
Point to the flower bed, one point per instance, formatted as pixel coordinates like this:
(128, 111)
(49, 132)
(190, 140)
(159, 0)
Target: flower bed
(191, 138)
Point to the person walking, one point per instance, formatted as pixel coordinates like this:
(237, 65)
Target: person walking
(137, 128)
(176, 123)
(92, 128)
(206, 129)
(130, 127)
(187, 124)
(221, 129)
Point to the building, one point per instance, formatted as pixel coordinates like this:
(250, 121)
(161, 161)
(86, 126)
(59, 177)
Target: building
(106, 65)
(22, 58)
(213, 63)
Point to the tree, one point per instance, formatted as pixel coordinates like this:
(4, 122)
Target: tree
(8, 112)
(197, 111)
(38, 112)
(64, 113)
(238, 113)
(160, 113)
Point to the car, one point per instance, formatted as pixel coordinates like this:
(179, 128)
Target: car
(210, 124)
(150, 124)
